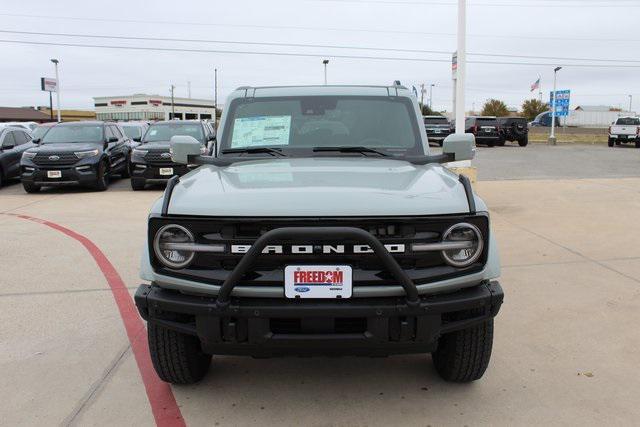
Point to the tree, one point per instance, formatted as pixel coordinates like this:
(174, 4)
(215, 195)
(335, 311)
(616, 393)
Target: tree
(427, 111)
(532, 107)
(495, 107)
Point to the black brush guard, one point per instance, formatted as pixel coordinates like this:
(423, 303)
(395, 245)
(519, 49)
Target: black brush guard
(316, 233)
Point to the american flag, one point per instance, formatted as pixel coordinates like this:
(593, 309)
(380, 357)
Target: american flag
(536, 85)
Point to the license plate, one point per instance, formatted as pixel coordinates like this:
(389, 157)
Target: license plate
(54, 174)
(437, 131)
(318, 281)
(166, 171)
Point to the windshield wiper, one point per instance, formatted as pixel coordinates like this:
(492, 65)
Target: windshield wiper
(362, 150)
(251, 150)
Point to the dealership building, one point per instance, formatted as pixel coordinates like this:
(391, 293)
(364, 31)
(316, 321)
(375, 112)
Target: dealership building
(152, 107)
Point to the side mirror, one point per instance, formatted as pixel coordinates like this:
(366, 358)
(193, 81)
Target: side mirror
(111, 139)
(137, 139)
(462, 147)
(36, 140)
(183, 146)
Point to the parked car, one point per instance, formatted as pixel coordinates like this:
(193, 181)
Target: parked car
(513, 129)
(29, 126)
(322, 226)
(134, 130)
(87, 153)
(151, 162)
(41, 130)
(484, 128)
(438, 128)
(13, 142)
(543, 120)
(624, 130)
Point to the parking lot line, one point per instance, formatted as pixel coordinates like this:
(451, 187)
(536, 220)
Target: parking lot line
(163, 403)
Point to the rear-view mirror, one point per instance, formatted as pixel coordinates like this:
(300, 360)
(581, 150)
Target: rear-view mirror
(460, 146)
(183, 146)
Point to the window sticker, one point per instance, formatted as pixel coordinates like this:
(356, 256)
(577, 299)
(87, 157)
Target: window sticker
(261, 131)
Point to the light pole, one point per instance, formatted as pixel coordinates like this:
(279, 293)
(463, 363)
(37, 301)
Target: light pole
(55, 64)
(630, 102)
(431, 96)
(552, 137)
(215, 94)
(325, 62)
(461, 66)
(173, 111)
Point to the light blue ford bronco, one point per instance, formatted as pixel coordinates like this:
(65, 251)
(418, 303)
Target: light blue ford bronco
(322, 225)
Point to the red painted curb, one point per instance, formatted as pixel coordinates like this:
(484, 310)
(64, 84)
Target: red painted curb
(163, 403)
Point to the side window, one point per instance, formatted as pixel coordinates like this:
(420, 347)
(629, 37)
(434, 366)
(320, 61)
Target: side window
(20, 137)
(108, 133)
(116, 131)
(9, 140)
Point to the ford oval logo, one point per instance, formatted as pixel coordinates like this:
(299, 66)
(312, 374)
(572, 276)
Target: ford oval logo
(165, 155)
(54, 158)
(301, 289)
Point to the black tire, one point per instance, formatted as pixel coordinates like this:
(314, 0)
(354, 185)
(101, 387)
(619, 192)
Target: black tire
(637, 143)
(137, 184)
(524, 141)
(177, 358)
(102, 180)
(30, 188)
(610, 142)
(501, 142)
(463, 356)
(491, 144)
(0, 178)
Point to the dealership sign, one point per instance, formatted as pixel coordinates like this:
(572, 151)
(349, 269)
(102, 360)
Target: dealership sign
(48, 84)
(155, 102)
(119, 102)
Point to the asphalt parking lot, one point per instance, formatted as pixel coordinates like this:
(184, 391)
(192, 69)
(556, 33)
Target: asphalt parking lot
(566, 341)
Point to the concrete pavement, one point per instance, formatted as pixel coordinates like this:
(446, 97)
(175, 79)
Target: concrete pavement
(565, 350)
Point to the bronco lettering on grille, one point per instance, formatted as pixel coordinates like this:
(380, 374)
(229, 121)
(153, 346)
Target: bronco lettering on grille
(397, 248)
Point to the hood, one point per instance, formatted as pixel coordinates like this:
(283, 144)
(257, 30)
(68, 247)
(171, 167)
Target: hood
(319, 187)
(66, 147)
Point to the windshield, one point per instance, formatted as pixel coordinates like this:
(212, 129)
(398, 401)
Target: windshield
(435, 121)
(132, 131)
(40, 131)
(75, 133)
(164, 131)
(628, 121)
(486, 122)
(308, 122)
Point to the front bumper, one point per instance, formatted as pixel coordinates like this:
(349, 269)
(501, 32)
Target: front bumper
(269, 327)
(83, 174)
(151, 173)
(623, 138)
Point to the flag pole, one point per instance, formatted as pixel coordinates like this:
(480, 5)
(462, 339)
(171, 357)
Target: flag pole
(540, 87)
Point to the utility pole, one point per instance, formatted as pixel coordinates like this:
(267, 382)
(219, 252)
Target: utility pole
(325, 62)
(552, 137)
(462, 65)
(431, 96)
(630, 102)
(51, 105)
(422, 91)
(173, 110)
(55, 64)
(215, 94)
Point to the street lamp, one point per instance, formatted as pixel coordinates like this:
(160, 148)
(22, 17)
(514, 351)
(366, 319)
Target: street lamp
(630, 103)
(325, 62)
(55, 64)
(431, 96)
(552, 137)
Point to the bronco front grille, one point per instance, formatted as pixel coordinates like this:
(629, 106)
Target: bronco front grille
(55, 159)
(268, 270)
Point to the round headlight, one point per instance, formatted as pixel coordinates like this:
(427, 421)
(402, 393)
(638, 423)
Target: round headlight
(169, 246)
(467, 244)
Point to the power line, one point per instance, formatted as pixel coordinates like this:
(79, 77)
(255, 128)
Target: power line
(307, 28)
(309, 55)
(529, 4)
(367, 48)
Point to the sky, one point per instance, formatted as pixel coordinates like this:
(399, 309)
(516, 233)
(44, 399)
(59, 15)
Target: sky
(393, 34)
